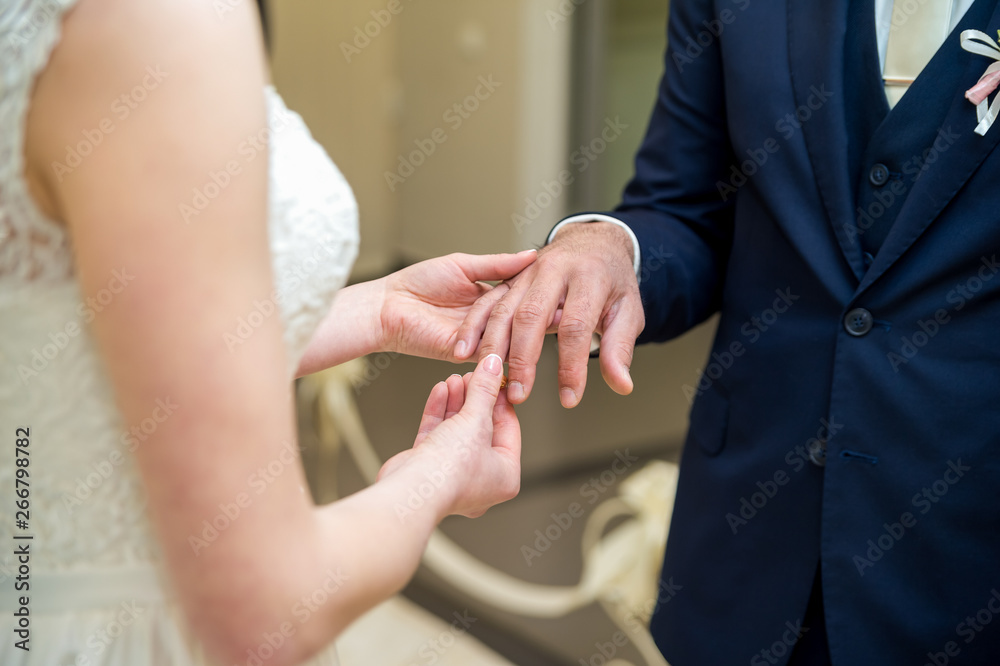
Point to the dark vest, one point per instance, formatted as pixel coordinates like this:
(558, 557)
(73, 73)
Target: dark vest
(889, 151)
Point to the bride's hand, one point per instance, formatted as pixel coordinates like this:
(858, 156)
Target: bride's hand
(468, 447)
(424, 305)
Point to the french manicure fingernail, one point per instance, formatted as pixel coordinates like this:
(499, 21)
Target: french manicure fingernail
(568, 397)
(493, 364)
(461, 349)
(515, 391)
(529, 251)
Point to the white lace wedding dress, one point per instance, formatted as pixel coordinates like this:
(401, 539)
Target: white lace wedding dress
(98, 593)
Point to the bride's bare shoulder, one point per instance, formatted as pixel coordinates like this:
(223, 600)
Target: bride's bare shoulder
(112, 57)
(102, 39)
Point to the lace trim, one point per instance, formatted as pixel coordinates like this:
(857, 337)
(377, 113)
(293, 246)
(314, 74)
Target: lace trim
(33, 248)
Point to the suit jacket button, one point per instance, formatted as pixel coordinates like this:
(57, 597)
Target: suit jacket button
(879, 175)
(817, 452)
(858, 322)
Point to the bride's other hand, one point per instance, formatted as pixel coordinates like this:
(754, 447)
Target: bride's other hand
(468, 446)
(424, 305)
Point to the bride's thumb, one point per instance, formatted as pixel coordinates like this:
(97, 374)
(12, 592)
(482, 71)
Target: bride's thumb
(484, 387)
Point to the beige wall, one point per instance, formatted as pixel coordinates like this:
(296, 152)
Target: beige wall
(351, 108)
(458, 200)
(401, 88)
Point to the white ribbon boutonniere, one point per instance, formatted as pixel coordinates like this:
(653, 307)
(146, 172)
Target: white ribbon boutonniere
(980, 43)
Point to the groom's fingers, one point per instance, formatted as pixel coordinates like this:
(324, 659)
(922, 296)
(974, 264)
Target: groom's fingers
(472, 329)
(531, 321)
(623, 324)
(496, 337)
(486, 268)
(585, 301)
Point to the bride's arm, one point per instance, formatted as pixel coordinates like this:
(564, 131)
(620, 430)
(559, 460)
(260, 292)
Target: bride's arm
(281, 566)
(351, 329)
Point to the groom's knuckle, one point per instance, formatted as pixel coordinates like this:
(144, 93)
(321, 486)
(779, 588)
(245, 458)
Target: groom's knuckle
(571, 366)
(636, 318)
(639, 324)
(548, 267)
(624, 350)
(529, 313)
(519, 359)
(502, 311)
(570, 374)
(573, 327)
(591, 267)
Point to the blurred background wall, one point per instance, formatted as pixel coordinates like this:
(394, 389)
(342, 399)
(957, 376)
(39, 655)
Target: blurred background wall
(453, 121)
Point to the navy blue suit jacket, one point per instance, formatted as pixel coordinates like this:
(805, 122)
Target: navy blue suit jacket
(744, 179)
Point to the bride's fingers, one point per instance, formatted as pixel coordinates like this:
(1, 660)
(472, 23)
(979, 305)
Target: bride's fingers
(494, 266)
(475, 322)
(456, 396)
(506, 428)
(434, 411)
(468, 377)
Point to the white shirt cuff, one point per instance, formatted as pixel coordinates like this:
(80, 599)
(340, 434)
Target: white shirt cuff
(591, 217)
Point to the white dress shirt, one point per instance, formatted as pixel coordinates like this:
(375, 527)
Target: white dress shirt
(883, 20)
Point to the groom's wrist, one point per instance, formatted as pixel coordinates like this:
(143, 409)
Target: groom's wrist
(587, 218)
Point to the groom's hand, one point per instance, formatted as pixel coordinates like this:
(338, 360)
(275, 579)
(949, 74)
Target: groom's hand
(424, 305)
(583, 282)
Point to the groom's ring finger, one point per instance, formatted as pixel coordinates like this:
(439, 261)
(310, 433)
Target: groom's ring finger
(499, 323)
(475, 322)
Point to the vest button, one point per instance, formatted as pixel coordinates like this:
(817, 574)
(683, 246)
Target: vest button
(858, 322)
(879, 175)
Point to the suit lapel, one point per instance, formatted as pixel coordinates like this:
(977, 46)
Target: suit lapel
(959, 150)
(816, 41)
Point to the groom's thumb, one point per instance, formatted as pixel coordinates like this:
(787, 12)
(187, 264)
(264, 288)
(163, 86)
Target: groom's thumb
(484, 387)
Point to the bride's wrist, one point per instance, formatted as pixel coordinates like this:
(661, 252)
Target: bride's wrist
(359, 309)
(351, 329)
(429, 484)
(376, 302)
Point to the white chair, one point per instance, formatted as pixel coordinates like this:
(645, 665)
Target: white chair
(620, 566)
